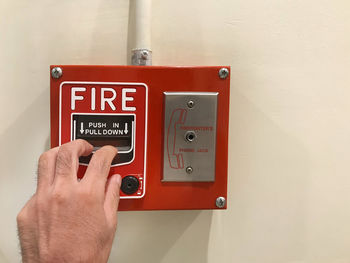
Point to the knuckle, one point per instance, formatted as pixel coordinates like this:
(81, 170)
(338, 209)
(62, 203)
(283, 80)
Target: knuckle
(75, 145)
(59, 197)
(100, 162)
(41, 204)
(110, 149)
(21, 216)
(84, 192)
(67, 147)
(87, 195)
(64, 159)
(45, 158)
(80, 141)
(80, 144)
(103, 157)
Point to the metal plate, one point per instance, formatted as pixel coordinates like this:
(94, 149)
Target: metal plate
(158, 195)
(189, 136)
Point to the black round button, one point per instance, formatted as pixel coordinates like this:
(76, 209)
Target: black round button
(130, 184)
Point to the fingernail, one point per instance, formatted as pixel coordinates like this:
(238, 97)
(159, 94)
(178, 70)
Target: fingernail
(118, 179)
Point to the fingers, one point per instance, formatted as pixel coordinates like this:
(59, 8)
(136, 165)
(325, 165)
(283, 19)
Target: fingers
(67, 162)
(99, 166)
(112, 197)
(46, 169)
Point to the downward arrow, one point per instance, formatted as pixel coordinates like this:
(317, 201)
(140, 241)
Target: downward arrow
(82, 128)
(126, 128)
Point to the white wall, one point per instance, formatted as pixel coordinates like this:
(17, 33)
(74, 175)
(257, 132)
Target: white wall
(289, 180)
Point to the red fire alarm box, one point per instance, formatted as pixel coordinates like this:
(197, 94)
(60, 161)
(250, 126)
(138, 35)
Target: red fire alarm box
(169, 124)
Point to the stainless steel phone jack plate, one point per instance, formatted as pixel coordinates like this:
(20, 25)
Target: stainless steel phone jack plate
(189, 136)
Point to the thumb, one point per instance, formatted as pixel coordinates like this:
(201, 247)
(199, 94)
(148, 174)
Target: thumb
(112, 197)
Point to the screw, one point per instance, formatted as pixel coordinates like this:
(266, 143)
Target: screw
(223, 73)
(190, 103)
(56, 72)
(220, 202)
(144, 54)
(189, 169)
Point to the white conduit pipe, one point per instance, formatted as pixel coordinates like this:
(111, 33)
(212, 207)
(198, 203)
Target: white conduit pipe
(142, 54)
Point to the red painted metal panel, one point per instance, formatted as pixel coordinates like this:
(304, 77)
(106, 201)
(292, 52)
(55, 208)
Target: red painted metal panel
(158, 194)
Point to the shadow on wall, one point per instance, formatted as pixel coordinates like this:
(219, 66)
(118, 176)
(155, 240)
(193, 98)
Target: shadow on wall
(21, 142)
(24, 140)
(131, 31)
(107, 39)
(2, 257)
(269, 180)
(149, 236)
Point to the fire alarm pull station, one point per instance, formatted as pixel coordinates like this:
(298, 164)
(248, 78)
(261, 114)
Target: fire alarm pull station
(169, 124)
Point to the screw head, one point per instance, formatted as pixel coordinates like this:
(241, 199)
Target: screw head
(190, 104)
(144, 54)
(223, 73)
(189, 169)
(220, 202)
(56, 72)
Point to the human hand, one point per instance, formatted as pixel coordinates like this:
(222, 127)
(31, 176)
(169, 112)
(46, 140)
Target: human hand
(68, 220)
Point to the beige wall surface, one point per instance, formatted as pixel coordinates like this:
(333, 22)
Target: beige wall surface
(289, 152)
